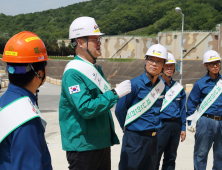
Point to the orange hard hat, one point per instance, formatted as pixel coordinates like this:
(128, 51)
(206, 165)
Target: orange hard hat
(25, 47)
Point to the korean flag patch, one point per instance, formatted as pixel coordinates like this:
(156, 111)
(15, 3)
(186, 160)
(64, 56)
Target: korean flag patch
(74, 89)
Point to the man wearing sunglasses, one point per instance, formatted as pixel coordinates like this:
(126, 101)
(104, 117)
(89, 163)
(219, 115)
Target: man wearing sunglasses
(206, 96)
(86, 123)
(138, 114)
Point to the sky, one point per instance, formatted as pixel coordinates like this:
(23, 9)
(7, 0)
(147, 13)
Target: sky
(15, 7)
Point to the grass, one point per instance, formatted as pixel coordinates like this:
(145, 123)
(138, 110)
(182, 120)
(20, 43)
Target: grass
(121, 59)
(107, 60)
(60, 58)
(55, 57)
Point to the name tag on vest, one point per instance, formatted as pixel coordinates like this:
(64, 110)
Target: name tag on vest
(16, 114)
(142, 106)
(206, 103)
(88, 70)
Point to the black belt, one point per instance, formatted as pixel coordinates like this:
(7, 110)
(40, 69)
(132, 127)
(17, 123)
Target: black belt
(171, 119)
(213, 117)
(144, 133)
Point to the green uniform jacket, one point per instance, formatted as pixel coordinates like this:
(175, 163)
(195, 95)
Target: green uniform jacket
(85, 119)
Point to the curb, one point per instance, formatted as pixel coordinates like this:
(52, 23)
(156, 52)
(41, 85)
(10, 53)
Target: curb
(4, 84)
(48, 79)
(53, 81)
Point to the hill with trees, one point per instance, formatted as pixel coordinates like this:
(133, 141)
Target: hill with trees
(147, 17)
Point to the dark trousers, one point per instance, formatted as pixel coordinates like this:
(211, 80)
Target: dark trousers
(89, 160)
(168, 141)
(138, 152)
(208, 134)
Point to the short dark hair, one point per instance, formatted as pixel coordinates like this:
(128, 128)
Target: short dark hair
(74, 42)
(22, 80)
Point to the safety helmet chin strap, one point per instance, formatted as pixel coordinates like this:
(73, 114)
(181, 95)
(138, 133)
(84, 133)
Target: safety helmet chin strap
(170, 77)
(74, 43)
(149, 73)
(43, 78)
(87, 50)
(212, 73)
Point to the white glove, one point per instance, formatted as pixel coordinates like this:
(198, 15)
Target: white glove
(192, 128)
(123, 88)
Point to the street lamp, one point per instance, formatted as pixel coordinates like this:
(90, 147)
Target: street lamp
(177, 9)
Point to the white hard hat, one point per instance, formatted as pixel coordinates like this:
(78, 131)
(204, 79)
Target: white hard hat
(157, 50)
(83, 26)
(171, 59)
(210, 56)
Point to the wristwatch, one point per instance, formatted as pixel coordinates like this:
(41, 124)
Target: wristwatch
(114, 91)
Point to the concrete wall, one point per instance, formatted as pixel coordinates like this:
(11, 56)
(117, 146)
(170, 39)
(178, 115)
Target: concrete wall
(116, 72)
(195, 43)
(67, 42)
(126, 47)
(219, 28)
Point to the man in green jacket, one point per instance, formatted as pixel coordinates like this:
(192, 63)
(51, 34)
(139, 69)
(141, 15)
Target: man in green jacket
(86, 123)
